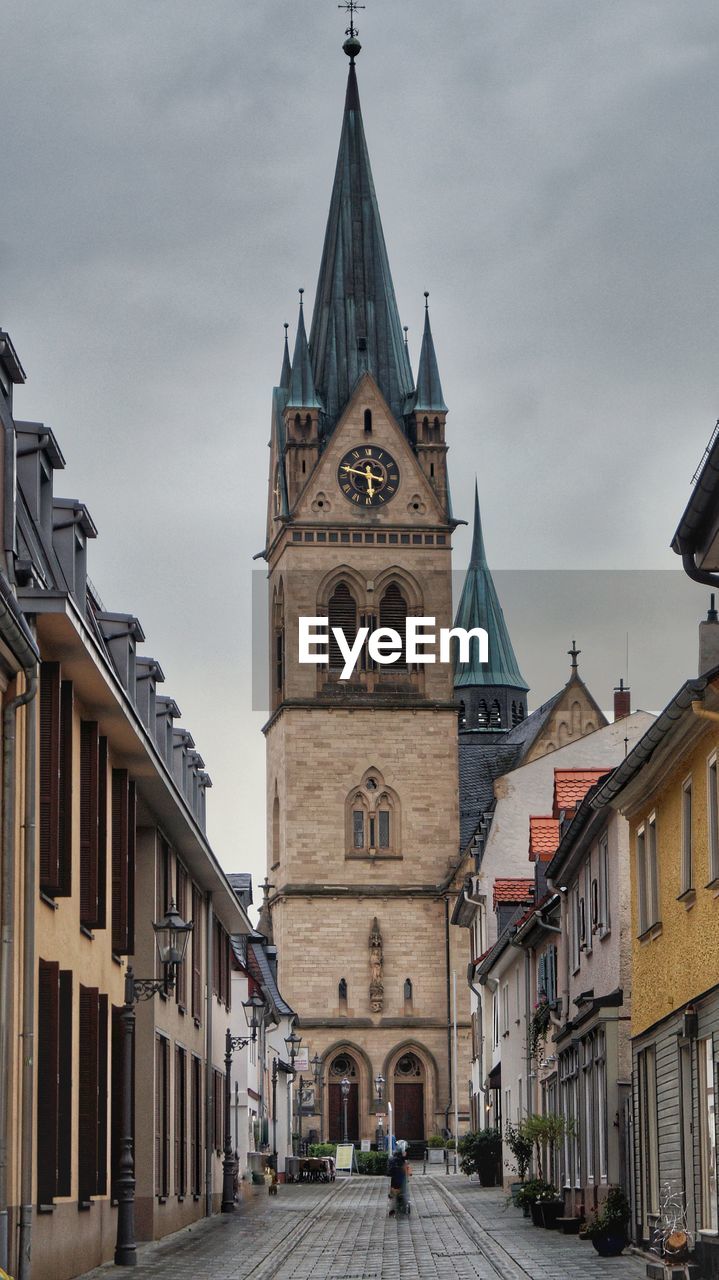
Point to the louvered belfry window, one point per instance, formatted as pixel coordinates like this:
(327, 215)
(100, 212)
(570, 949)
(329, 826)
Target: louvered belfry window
(55, 782)
(393, 613)
(342, 612)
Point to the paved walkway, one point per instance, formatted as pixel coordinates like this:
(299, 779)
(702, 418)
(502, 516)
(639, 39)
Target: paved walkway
(342, 1232)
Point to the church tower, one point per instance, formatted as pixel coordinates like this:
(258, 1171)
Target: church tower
(362, 777)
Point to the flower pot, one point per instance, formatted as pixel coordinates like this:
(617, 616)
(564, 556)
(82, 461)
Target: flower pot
(514, 1190)
(526, 1209)
(551, 1210)
(610, 1244)
(435, 1155)
(537, 1214)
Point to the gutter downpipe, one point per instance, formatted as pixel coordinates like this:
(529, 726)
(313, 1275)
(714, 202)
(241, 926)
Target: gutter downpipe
(698, 575)
(8, 936)
(449, 1016)
(480, 1023)
(28, 1002)
(209, 1076)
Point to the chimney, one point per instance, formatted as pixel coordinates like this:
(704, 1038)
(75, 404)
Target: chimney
(622, 701)
(709, 639)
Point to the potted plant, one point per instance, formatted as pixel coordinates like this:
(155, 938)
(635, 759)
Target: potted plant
(520, 1145)
(480, 1153)
(550, 1205)
(608, 1229)
(436, 1146)
(528, 1196)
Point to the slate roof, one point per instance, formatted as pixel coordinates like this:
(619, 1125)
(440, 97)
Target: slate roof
(241, 883)
(250, 953)
(543, 838)
(355, 323)
(512, 890)
(479, 607)
(479, 765)
(286, 370)
(571, 786)
(302, 394)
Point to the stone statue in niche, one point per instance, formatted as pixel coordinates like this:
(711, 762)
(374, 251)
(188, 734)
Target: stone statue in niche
(376, 988)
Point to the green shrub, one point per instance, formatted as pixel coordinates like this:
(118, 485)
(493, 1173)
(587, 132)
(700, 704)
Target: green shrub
(613, 1218)
(535, 1189)
(436, 1142)
(322, 1149)
(479, 1153)
(372, 1162)
(520, 1144)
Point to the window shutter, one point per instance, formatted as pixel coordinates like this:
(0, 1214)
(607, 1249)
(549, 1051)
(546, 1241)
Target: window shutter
(542, 976)
(102, 763)
(342, 612)
(89, 829)
(66, 737)
(102, 1046)
(196, 943)
(196, 1127)
(64, 1087)
(131, 854)
(47, 1074)
(119, 861)
(87, 1094)
(166, 1117)
(49, 777)
(393, 613)
(181, 903)
(158, 1116)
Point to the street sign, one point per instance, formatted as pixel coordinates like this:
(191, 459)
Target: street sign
(302, 1061)
(366, 1144)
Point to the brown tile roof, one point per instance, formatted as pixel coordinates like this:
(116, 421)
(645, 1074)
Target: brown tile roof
(543, 838)
(571, 786)
(517, 890)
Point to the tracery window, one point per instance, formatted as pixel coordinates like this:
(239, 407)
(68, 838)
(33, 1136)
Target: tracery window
(373, 818)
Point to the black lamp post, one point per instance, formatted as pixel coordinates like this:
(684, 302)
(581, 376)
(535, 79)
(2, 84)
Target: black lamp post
(293, 1042)
(275, 1069)
(172, 934)
(379, 1083)
(252, 1009)
(316, 1065)
(345, 1092)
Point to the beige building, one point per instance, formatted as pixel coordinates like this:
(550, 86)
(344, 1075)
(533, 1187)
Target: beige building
(104, 829)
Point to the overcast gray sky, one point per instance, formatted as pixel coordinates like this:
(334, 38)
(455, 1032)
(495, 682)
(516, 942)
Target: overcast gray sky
(546, 168)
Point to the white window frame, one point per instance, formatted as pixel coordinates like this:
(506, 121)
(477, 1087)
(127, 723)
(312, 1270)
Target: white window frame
(518, 993)
(588, 906)
(505, 1008)
(707, 1136)
(495, 1021)
(574, 926)
(687, 852)
(647, 874)
(653, 867)
(713, 817)
(605, 919)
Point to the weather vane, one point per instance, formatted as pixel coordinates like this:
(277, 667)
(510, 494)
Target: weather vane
(351, 7)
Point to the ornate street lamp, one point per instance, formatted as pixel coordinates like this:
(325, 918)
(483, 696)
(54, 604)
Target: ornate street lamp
(293, 1042)
(379, 1083)
(316, 1065)
(172, 934)
(345, 1092)
(253, 1016)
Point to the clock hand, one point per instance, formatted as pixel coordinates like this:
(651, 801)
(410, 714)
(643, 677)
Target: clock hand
(369, 477)
(356, 472)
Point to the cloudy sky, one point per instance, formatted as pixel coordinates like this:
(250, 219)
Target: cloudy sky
(546, 168)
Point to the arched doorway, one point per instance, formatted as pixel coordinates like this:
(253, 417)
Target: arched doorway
(408, 1087)
(343, 1067)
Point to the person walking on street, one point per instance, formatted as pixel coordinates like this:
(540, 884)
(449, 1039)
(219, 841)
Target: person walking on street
(399, 1171)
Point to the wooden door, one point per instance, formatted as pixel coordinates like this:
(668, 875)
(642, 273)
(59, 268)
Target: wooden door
(336, 1119)
(409, 1111)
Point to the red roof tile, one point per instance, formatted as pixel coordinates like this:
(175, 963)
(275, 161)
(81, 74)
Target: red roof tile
(571, 786)
(519, 890)
(543, 838)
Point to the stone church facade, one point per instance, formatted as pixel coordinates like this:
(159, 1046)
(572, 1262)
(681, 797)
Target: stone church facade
(362, 774)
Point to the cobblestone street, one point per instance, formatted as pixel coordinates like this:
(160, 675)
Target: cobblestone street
(343, 1232)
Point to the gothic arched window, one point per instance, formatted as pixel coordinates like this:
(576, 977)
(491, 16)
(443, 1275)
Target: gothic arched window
(368, 420)
(372, 818)
(495, 716)
(278, 641)
(342, 612)
(276, 829)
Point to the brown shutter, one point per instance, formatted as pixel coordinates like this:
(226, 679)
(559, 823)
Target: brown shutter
(196, 943)
(47, 1073)
(131, 856)
(87, 1094)
(102, 1046)
(195, 1131)
(49, 779)
(64, 1087)
(181, 903)
(116, 1096)
(120, 839)
(66, 737)
(102, 763)
(166, 1117)
(158, 1116)
(89, 830)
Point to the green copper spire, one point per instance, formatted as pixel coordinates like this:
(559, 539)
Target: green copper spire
(479, 607)
(429, 398)
(355, 323)
(302, 388)
(286, 371)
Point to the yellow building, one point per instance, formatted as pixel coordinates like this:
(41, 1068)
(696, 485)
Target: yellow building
(668, 789)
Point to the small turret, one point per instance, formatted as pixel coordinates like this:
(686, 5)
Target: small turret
(302, 415)
(430, 413)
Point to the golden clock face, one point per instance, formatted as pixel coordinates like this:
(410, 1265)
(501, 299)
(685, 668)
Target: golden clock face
(368, 476)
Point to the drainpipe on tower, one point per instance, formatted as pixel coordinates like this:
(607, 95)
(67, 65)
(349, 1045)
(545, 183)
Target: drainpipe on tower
(450, 1065)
